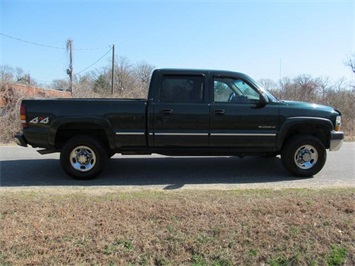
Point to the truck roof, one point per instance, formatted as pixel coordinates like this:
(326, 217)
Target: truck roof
(200, 71)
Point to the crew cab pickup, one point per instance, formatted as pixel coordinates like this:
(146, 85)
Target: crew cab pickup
(187, 113)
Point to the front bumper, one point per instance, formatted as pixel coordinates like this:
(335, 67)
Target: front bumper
(20, 140)
(336, 140)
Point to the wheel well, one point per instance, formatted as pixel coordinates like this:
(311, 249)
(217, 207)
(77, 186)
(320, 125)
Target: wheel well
(67, 132)
(320, 132)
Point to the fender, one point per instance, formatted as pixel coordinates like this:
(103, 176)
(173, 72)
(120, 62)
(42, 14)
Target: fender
(100, 122)
(301, 121)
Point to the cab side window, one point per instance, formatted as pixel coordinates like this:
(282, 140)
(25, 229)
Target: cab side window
(182, 89)
(234, 90)
(221, 91)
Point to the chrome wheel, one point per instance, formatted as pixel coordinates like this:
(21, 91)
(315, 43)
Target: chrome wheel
(306, 157)
(82, 158)
(303, 155)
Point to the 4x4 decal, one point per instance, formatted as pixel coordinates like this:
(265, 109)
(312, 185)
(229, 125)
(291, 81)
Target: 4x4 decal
(40, 120)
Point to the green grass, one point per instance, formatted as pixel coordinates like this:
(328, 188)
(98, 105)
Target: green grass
(336, 256)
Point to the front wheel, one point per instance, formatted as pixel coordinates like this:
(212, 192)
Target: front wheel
(83, 157)
(303, 155)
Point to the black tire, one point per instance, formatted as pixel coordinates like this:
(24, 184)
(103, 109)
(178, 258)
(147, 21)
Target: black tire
(83, 157)
(303, 155)
(110, 154)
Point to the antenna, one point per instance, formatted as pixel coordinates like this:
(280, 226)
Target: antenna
(113, 68)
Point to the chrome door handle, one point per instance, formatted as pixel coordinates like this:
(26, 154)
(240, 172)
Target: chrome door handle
(219, 112)
(166, 111)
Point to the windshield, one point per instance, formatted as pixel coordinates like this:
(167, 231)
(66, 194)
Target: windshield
(261, 88)
(245, 89)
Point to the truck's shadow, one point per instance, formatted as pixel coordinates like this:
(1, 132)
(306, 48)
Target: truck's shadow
(170, 172)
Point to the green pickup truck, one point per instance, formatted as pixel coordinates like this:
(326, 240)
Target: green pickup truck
(187, 113)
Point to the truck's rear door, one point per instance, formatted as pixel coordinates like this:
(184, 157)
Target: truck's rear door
(181, 112)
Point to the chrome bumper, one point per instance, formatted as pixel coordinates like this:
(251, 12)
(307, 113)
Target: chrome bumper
(20, 140)
(336, 140)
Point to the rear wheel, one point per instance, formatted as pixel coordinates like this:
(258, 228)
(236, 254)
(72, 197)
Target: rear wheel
(83, 157)
(303, 155)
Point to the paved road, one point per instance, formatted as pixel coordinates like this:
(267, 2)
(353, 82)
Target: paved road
(25, 168)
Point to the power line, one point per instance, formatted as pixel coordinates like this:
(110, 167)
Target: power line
(90, 49)
(60, 48)
(56, 66)
(48, 46)
(94, 62)
(34, 43)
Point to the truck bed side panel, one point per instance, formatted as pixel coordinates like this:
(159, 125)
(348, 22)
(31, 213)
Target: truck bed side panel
(125, 119)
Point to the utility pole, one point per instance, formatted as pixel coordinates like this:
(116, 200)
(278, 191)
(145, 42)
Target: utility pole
(113, 68)
(70, 69)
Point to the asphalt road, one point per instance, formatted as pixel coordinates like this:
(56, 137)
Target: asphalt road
(25, 168)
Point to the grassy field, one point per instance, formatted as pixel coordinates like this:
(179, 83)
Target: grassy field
(246, 227)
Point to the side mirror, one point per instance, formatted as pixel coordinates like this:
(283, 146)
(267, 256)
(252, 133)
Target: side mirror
(264, 100)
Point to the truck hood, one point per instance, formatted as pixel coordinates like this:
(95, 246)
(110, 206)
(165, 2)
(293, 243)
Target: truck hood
(309, 106)
(304, 109)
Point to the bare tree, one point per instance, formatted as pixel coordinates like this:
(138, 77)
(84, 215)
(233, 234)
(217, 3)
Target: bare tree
(7, 73)
(60, 84)
(20, 76)
(307, 88)
(142, 74)
(324, 84)
(288, 90)
(268, 84)
(271, 86)
(300, 88)
(350, 62)
(84, 87)
(124, 81)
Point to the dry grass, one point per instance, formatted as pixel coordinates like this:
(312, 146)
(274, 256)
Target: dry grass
(349, 138)
(11, 95)
(256, 227)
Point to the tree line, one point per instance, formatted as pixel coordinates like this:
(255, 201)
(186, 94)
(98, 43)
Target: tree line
(131, 80)
(339, 94)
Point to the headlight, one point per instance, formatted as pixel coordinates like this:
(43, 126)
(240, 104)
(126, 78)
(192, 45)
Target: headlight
(338, 123)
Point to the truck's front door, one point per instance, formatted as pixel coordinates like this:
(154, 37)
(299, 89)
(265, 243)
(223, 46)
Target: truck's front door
(181, 114)
(237, 121)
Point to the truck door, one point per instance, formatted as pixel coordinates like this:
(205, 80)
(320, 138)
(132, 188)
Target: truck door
(237, 121)
(181, 114)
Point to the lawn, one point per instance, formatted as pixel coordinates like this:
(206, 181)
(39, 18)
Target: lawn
(189, 227)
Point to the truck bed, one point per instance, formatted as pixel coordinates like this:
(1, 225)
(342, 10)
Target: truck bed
(119, 117)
